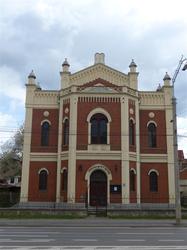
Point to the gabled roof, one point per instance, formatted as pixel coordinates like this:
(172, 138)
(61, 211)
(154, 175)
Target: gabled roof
(99, 71)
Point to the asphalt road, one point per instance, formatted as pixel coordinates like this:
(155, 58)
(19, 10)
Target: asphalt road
(91, 236)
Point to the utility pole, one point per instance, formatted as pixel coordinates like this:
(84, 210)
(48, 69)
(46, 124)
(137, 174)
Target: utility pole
(175, 144)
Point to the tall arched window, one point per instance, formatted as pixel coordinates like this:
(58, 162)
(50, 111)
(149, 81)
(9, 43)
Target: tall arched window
(132, 180)
(152, 135)
(43, 180)
(99, 129)
(66, 132)
(64, 180)
(45, 134)
(153, 182)
(131, 132)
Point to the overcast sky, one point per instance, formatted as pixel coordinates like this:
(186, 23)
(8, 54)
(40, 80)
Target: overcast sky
(39, 34)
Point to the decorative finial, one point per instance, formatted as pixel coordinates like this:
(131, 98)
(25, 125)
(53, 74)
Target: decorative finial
(159, 87)
(32, 75)
(65, 63)
(132, 64)
(167, 77)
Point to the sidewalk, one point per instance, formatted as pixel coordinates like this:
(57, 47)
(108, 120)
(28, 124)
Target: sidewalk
(90, 222)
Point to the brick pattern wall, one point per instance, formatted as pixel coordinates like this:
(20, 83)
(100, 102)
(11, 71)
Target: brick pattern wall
(161, 132)
(34, 193)
(154, 197)
(38, 117)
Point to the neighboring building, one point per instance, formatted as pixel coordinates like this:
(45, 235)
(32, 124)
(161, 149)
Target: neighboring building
(98, 139)
(183, 176)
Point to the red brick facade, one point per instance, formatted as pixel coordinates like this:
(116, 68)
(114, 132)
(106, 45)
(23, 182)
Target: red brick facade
(88, 140)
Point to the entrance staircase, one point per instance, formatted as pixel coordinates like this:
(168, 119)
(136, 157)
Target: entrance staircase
(99, 211)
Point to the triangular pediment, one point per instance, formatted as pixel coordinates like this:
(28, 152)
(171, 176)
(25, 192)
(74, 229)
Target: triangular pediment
(100, 86)
(99, 74)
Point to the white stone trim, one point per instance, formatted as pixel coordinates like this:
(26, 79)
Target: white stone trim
(109, 178)
(45, 120)
(170, 146)
(43, 169)
(151, 121)
(153, 170)
(26, 155)
(125, 150)
(137, 136)
(58, 176)
(96, 111)
(133, 170)
(99, 110)
(132, 119)
(63, 169)
(72, 149)
(65, 118)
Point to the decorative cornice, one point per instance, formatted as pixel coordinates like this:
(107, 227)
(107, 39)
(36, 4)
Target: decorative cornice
(151, 98)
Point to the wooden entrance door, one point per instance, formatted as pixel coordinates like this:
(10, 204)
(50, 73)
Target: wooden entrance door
(98, 188)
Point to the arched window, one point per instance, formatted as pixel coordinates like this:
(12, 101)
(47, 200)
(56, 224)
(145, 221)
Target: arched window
(66, 132)
(132, 180)
(45, 134)
(131, 132)
(153, 182)
(43, 180)
(152, 135)
(99, 129)
(64, 180)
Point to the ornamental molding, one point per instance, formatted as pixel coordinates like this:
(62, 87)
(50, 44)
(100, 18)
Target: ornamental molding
(99, 71)
(98, 167)
(151, 98)
(46, 98)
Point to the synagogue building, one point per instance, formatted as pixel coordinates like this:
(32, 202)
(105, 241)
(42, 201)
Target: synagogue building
(98, 139)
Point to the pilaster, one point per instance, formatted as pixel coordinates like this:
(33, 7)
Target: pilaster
(138, 173)
(26, 155)
(125, 149)
(72, 149)
(58, 174)
(170, 146)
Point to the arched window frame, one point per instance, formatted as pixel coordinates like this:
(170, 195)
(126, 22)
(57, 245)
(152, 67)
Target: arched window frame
(153, 180)
(131, 132)
(66, 131)
(90, 115)
(43, 179)
(132, 180)
(152, 135)
(45, 133)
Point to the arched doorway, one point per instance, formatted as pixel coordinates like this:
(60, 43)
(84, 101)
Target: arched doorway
(98, 188)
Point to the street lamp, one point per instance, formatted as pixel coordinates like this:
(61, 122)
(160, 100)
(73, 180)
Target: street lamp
(175, 144)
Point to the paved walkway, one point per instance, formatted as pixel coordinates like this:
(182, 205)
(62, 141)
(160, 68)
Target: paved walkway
(91, 222)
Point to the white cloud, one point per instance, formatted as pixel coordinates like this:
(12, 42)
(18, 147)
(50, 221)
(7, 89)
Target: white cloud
(11, 84)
